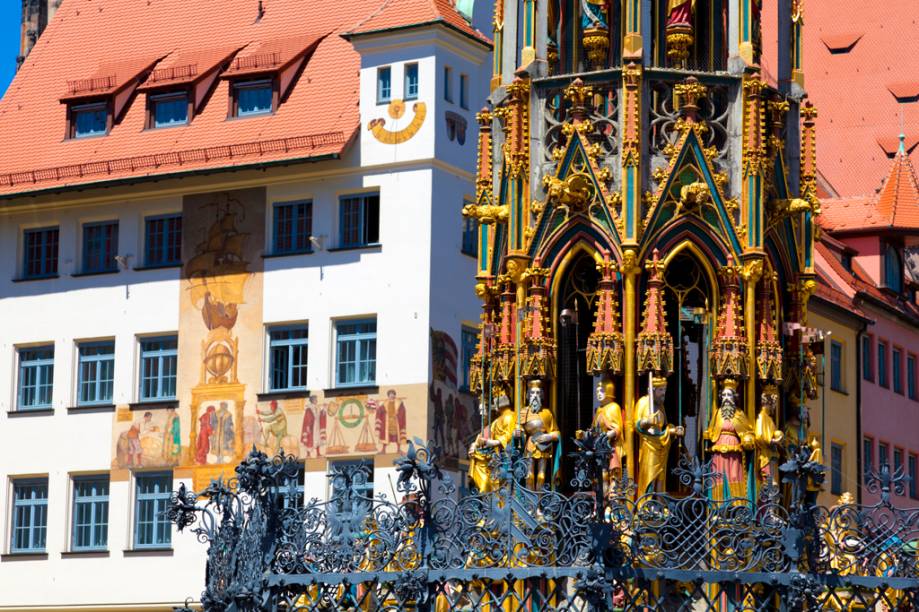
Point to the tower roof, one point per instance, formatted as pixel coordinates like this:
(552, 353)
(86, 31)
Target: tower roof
(401, 14)
(894, 208)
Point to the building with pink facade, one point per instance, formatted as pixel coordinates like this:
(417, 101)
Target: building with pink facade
(872, 235)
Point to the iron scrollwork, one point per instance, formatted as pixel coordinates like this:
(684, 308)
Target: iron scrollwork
(514, 547)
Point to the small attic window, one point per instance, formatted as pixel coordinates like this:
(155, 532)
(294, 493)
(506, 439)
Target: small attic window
(168, 110)
(847, 261)
(89, 120)
(253, 97)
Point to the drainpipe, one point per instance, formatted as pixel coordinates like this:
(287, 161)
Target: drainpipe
(858, 409)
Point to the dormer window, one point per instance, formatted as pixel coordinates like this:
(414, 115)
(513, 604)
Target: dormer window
(89, 120)
(893, 269)
(254, 97)
(411, 81)
(168, 110)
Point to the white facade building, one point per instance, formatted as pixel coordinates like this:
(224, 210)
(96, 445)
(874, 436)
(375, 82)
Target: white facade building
(317, 307)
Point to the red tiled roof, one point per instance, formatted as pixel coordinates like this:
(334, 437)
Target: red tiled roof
(856, 88)
(404, 13)
(895, 207)
(187, 66)
(319, 117)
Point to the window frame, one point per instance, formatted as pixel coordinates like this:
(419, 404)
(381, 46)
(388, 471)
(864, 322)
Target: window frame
(105, 245)
(364, 220)
(868, 357)
(837, 370)
(868, 460)
(898, 453)
(406, 95)
(892, 253)
(448, 84)
(295, 248)
(39, 363)
(98, 382)
(158, 527)
(911, 391)
(363, 489)
(464, 91)
(381, 97)
(883, 376)
(883, 454)
(240, 85)
(896, 370)
(913, 473)
(159, 354)
(359, 338)
(470, 238)
(153, 99)
(291, 344)
(32, 503)
(837, 476)
(73, 110)
(93, 500)
(164, 242)
(49, 262)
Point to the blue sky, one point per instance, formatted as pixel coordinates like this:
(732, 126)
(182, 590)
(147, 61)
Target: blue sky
(9, 40)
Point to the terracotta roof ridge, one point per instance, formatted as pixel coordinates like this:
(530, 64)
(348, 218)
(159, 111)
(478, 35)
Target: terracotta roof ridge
(372, 15)
(898, 190)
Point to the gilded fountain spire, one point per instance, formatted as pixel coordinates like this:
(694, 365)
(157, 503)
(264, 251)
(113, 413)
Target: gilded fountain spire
(655, 345)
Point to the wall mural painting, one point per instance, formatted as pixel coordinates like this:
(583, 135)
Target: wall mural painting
(452, 412)
(147, 438)
(317, 427)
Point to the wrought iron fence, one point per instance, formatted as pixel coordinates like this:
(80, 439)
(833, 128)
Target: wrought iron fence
(519, 549)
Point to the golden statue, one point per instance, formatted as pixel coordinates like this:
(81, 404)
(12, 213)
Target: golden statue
(608, 419)
(730, 434)
(495, 437)
(542, 436)
(768, 437)
(655, 438)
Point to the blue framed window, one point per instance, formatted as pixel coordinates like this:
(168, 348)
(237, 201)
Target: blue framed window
(356, 353)
(836, 366)
(867, 370)
(100, 245)
(470, 244)
(30, 515)
(151, 526)
(36, 377)
(464, 91)
(40, 248)
(348, 510)
(868, 454)
(96, 376)
(836, 469)
(448, 84)
(911, 377)
(89, 120)
(896, 366)
(90, 513)
(290, 494)
(359, 220)
(254, 98)
(158, 361)
(384, 84)
(288, 348)
(411, 81)
(893, 269)
(883, 454)
(882, 364)
(169, 109)
(293, 225)
(468, 341)
(163, 240)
